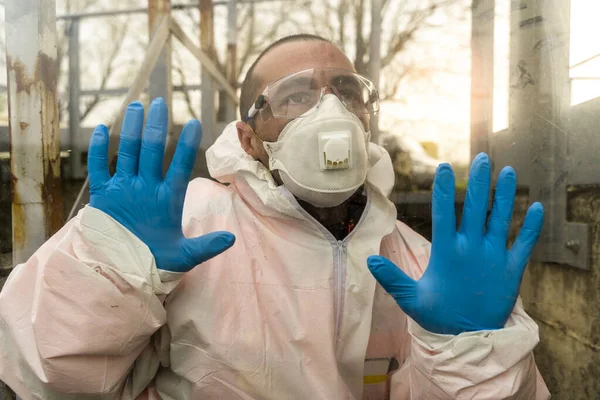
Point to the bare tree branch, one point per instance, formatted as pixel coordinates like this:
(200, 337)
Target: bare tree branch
(269, 36)
(418, 21)
(250, 47)
(193, 16)
(121, 31)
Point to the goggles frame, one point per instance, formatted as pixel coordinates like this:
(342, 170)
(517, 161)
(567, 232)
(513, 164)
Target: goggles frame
(261, 105)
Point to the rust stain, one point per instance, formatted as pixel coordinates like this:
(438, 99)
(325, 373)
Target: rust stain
(50, 187)
(46, 71)
(22, 79)
(52, 202)
(23, 125)
(18, 216)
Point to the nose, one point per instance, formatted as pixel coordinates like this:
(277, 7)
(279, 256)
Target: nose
(328, 89)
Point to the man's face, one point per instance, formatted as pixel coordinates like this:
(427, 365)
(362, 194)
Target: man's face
(280, 62)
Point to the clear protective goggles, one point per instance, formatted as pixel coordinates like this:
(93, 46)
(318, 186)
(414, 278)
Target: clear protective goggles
(297, 95)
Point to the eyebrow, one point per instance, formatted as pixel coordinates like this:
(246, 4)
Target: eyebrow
(346, 79)
(290, 84)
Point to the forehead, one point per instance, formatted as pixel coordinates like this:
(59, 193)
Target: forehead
(292, 57)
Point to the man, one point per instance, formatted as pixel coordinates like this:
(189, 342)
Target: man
(114, 306)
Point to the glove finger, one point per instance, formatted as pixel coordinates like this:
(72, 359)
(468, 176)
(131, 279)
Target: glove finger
(98, 158)
(443, 214)
(130, 141)
(181, 167)
(394, 281)
(198, 250)
(502, 209)
(153, 143)
(476, 202)
(530, 232)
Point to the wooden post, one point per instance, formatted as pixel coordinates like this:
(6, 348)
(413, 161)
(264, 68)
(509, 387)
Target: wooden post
(208, 114)
(482, 75)
(160, 80)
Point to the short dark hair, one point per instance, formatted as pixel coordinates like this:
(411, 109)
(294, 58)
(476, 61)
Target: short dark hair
(251, 85)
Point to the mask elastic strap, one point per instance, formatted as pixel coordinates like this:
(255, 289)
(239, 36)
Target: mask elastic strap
(254, 133)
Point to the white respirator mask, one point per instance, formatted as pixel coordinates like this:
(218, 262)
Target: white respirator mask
(322, 156)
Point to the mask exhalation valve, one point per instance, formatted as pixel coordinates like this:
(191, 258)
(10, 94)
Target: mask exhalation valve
(335, 149)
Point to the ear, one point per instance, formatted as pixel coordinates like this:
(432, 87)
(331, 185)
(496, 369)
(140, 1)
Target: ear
(246, 138)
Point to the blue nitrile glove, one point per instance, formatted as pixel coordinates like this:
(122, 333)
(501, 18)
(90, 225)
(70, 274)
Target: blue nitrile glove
(472, 281)
(140, 199)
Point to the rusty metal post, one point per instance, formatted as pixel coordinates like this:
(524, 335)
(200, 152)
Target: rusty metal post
(34, 125)
(208, 87)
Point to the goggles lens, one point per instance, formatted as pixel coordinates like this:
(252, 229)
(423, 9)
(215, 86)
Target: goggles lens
(297, 95)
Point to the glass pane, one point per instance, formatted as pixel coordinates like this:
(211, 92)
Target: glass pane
(293, 306)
